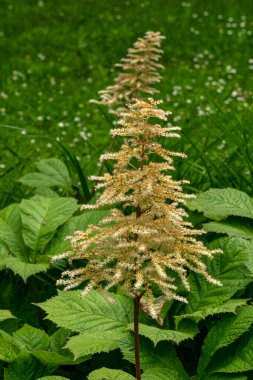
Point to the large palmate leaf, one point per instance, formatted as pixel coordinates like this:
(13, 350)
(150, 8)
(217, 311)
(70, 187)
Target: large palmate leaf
(58, 340)
(53, 172)
(224, 332)
(238, 358)
(25, 367)
(233, 268)
(77, 223)
(10, 230)
(109, 374)
(31, 338)
(22, 268)
(91, 343)
(158, 334)
(229, 306)
(92, 313)
(154, 359)
(53, 359)
(239, 227)
(9, 348)
(46, 192)
(42, 216)
(218, 204)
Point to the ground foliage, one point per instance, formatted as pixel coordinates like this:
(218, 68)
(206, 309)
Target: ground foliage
(55, 57)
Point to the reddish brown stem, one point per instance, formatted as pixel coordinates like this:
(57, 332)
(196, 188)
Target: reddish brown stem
(136, 337)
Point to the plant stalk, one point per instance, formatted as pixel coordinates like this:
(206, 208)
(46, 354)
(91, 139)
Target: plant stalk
(136, 337)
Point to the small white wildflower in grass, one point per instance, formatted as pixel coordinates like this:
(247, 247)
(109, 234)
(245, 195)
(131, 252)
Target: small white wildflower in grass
(52, 81)
(3, 95)
(185, 4)
(200, 111)
(83, 135)
(41, 56)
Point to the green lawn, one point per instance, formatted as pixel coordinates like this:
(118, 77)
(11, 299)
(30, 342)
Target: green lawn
(56, 55)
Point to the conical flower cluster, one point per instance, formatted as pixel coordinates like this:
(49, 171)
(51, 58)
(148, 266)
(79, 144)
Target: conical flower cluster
(139, 73)
(145, 245)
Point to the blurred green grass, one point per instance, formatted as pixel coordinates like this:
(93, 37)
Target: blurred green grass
(56, 55)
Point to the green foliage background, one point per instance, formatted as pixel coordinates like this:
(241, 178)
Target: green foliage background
(55, 57)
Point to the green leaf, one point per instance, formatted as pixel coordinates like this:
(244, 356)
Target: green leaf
(153, 359)
(92, 313)
(58, 340)
(79, 170)
(25, 367)
(42, 216)
(77, 223)
(236, 359)
(218, 376)
(161, 374)
(218, 204)
(224, 332)
(157, 334)
(53, 173)
(109, 374)
(53, 378)
(22, 268)
(38, 180)
(31, 338)
(229, 306)
(10, 230)
(241, 228)
(53, 359)
(9, 349)
(5, 314)
(91, 343)
(56, 169)
(234, 268)
(46, 192)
